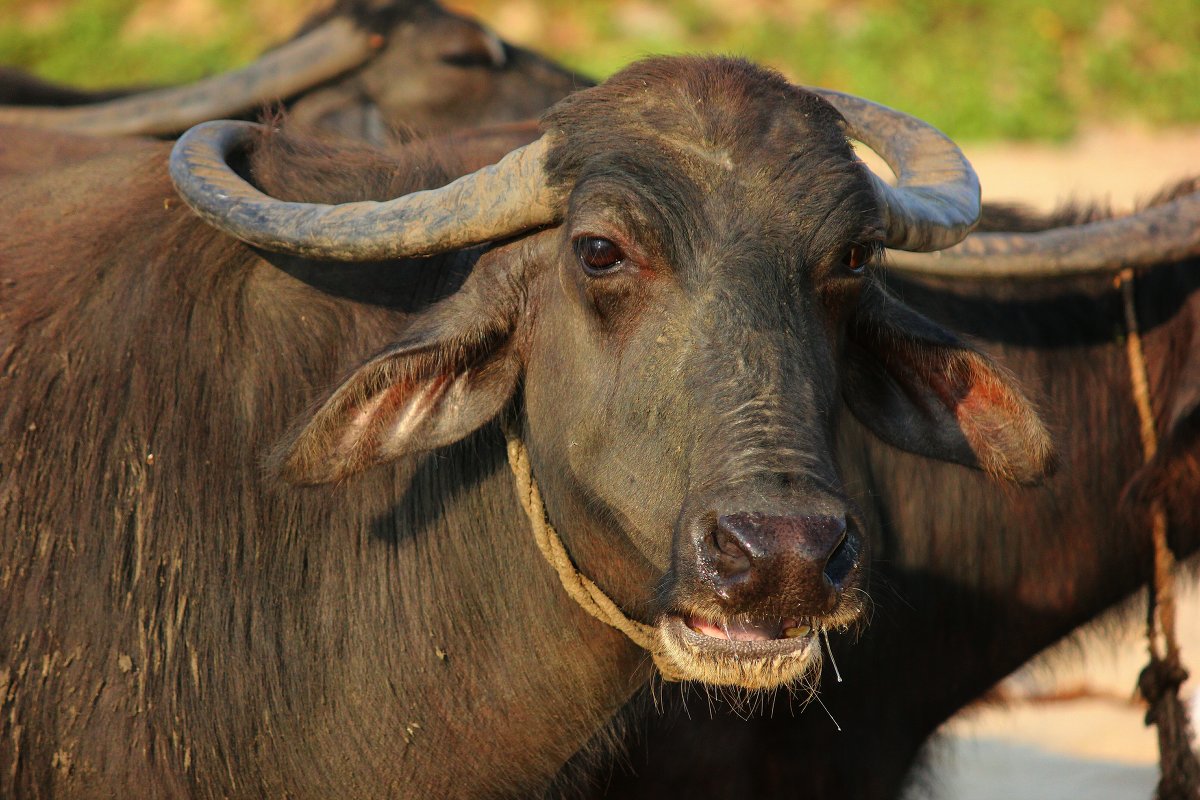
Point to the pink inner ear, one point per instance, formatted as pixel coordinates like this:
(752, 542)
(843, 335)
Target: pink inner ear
(997, 421)
(985, 394)
(962, 382)
(994, 422)
(408, 412)
(389, 418)
(965, 385)
(1007, 438)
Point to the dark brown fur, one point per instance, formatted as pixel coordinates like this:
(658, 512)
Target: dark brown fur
(150, 636)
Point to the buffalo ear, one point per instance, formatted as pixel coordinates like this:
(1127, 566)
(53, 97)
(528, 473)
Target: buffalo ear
(455, 368)
(921, 389)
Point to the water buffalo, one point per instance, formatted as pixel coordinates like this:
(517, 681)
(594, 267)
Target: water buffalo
(665, 300)
(362, 69)
(971, 582)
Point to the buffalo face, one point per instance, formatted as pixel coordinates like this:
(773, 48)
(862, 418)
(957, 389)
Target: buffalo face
(437, 71)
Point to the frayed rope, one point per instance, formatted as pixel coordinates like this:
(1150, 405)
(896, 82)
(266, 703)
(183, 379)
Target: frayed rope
(582, 589)
(1159, 682)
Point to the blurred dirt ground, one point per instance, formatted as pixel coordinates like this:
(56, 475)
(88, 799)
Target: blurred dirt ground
(1092, 747)
(1116, 164)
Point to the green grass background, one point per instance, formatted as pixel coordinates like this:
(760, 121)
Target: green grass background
(979, 69)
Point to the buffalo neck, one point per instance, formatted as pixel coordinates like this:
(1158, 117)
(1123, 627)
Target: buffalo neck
(441, 630)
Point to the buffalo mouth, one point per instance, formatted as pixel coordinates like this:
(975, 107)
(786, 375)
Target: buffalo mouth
(746, 630)
(744, 651)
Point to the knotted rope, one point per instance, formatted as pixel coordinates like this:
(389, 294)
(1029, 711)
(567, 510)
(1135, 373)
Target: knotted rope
(1159, 682)
(590, 597)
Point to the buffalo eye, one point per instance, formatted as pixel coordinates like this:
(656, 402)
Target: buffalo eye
(855, 258)
(598, 255)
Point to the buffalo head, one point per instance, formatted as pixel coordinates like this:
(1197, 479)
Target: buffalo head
(682, 295)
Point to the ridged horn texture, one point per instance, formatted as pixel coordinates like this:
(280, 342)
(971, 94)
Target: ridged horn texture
(492, 203)
(934, 205)
(935, 202)
(1164, 233)
(323, 53)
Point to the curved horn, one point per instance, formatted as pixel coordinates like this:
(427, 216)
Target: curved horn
(935, 202)
(492, 203)
(1167, 232)
(329, 50)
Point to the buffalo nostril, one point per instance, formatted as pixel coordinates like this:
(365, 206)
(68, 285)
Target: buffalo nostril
(729, 550)
(841, 561)
(800, 563)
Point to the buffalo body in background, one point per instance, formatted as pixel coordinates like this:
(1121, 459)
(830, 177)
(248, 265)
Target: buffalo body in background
(364, 69)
